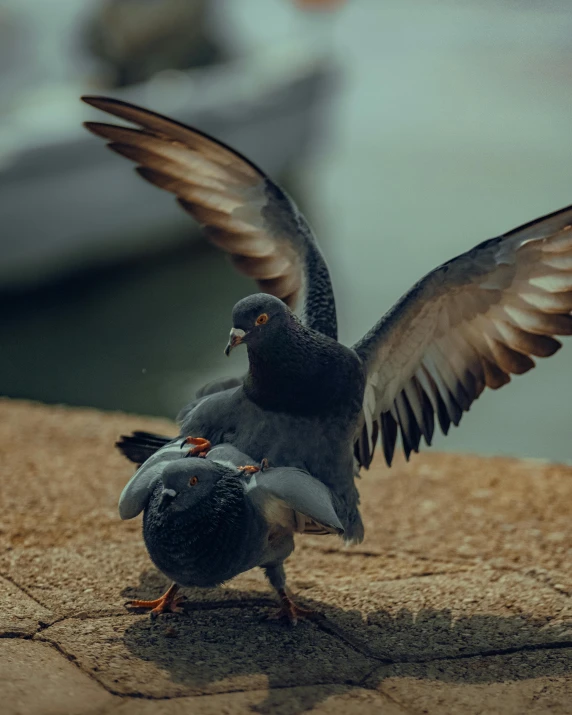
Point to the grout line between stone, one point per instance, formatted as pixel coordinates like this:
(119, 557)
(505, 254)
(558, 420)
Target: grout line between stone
(153, 698)
(73, 660)
(24, 590)
(528, 647)
(364, 650)
(407, 709)
(327, 626)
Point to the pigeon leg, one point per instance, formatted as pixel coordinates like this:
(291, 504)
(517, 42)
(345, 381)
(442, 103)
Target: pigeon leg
(168, 603)
(288, 611)
(201, 448)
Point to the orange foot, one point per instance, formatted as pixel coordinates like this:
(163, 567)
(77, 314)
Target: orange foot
(248, 469)
(289, 611)
(168, 603)
(251, 469)
(201, 448)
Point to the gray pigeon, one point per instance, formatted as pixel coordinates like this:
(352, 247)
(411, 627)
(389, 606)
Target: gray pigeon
(207, 520)
(308, 401)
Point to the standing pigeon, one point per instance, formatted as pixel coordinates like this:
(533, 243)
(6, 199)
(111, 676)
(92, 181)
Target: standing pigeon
(207, 520)
(308, 401)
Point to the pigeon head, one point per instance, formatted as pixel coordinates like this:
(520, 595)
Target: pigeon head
(188, 481)
(256, 319)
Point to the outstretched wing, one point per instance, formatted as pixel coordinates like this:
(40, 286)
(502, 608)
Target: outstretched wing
(241, 209)
(467, 325)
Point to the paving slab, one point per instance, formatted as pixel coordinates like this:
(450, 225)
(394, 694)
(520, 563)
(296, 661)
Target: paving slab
(534, 683)
(61, 475)
(36, 679)
(88, 579)
(441, 615)
(507, 512)
(317, 557)
(20, 615)
(208, 651)
(318, 700)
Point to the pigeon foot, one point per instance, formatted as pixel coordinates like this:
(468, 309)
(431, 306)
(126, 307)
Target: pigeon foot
(201, 448)
(248, 469)
(168, 603)
(289, 612)
(251, 469)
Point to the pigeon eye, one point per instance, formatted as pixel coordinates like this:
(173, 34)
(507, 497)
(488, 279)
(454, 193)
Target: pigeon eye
(193, 481)
(262, 318)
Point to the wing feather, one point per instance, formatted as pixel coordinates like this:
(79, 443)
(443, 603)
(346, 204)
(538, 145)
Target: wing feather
(244, 213)
(470, 323)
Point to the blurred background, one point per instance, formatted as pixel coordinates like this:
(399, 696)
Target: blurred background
(407, 130)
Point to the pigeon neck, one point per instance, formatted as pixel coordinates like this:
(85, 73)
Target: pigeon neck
(299, 372)
(274, 368)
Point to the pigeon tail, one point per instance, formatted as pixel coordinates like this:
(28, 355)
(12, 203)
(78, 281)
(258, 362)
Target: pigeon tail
(139, 446)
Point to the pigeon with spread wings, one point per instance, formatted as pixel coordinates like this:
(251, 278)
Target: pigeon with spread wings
(312, 403)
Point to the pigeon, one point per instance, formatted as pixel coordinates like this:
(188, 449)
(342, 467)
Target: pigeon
(308, 401)
(208, 520)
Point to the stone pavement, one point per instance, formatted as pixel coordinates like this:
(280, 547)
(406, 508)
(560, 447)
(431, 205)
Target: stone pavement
(459, 601)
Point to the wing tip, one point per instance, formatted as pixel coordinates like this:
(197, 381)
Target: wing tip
(92, 99)
(93, 127)
(104, 103)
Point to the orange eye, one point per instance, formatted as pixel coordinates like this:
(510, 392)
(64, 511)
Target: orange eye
(193, 481)
(262, 318)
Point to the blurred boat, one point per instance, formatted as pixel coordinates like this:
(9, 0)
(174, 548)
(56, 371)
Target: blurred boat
(66, 204)
(133, 40)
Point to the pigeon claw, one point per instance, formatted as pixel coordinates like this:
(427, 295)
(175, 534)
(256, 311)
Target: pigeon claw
(201, 448)
(289, 612)
(170, 602)
(251, 469)
(248, 469)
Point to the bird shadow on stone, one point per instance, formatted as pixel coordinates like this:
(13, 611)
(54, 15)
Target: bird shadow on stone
(223, 643)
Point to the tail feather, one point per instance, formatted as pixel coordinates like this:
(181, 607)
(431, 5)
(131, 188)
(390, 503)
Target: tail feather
(139, 446)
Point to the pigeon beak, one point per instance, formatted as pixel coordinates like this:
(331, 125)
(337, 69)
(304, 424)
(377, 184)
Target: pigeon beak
(236, 337)
(167, 496)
